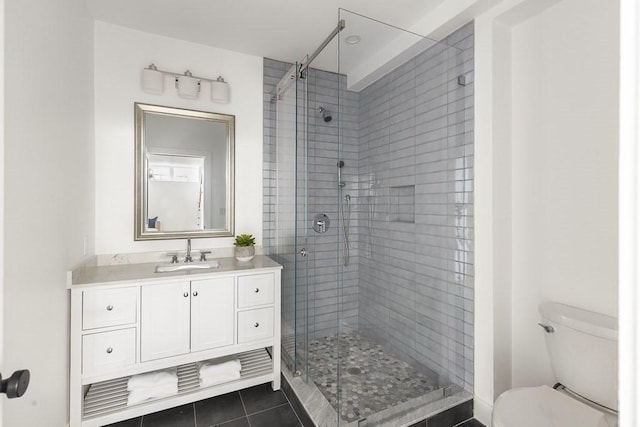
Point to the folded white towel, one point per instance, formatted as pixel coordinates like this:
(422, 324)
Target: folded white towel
(154, 379)
(216, 367)
(219, 379)
(140, 395)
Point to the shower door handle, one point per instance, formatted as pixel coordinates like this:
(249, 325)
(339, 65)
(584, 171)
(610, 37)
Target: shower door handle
(303, 252)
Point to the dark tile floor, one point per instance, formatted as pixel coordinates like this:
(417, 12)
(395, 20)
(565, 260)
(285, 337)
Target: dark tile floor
(458, 416)
(257, 406)
(471, 423)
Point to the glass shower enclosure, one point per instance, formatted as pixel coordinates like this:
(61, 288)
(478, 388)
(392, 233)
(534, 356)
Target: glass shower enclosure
(370, 182)
(291, 214)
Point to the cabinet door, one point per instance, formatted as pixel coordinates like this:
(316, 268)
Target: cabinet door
(211, 313)
(164, 330)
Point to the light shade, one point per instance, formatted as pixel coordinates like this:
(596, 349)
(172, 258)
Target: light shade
(152, 80)
(188, 87)
(220, 91)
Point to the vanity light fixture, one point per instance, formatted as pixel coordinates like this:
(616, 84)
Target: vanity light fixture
(220, 91)
(152, 80)
(187, 85)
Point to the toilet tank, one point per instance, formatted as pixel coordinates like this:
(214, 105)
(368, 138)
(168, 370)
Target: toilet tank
(584, 351)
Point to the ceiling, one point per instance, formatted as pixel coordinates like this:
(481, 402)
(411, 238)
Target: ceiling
(279, 29)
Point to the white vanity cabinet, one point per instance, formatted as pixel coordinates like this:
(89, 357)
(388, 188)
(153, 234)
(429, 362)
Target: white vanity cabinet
(182, 317)
(127, 320)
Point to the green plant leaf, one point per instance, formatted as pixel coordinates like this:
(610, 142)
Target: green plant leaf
(245, 240)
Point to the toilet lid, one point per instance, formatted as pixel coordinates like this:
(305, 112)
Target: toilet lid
(544, 407)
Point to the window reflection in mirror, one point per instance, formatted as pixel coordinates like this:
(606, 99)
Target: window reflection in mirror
(184, 173)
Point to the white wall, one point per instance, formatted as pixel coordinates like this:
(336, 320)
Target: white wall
(48, 191)
(545, 178)
(120, 56)
(629, 294)
(564, 169)
(2, 146)
(492, 312)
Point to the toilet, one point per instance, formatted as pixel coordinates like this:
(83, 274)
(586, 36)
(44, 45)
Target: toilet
(583, 348)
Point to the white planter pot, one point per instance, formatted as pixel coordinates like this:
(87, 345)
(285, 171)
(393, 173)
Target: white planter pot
(244, 253)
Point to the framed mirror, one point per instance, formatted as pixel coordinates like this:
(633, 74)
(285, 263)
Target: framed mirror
(184, 173)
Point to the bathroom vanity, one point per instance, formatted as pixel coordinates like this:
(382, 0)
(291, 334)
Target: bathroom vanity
(126, 320)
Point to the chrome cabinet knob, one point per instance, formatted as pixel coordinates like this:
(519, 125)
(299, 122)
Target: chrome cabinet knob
(255, 325)
(186, 294)
(256, 290)
(195, 293)
(109, 307)
(110, 350)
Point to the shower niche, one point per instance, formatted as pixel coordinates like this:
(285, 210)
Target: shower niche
(402, 204)
(377, 315)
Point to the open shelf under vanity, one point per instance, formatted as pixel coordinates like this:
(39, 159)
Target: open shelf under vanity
(106, 398)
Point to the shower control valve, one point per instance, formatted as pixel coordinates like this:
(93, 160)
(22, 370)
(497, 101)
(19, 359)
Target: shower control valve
(303, 252)
(321, 223)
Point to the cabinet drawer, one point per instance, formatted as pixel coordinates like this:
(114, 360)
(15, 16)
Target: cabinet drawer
(255, 324)
(108, 351)
(109, 307)
(255, 290)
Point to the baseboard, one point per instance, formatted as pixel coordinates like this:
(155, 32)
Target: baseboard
(482, 411)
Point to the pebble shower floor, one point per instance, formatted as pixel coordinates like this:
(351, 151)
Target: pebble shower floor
(371, 380)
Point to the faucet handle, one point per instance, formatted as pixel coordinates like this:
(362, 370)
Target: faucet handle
(174, 257)
(203, 255)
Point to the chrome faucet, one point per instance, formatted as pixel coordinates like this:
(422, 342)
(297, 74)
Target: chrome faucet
(188, 257)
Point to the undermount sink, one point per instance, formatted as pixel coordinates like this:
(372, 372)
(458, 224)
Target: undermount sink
(168, 268)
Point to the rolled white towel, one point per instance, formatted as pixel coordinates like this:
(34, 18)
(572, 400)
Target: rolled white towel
(216, 367)
(142, 394)
(219, 378)
(165, 377)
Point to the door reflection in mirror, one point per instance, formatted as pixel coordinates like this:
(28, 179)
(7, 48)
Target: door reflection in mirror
(176, 181)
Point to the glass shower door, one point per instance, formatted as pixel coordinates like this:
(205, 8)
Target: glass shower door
(291, 214)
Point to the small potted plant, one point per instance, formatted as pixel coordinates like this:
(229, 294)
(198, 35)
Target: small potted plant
(245, 247)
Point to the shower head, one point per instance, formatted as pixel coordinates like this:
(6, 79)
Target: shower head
(326, 115)
(340, 164)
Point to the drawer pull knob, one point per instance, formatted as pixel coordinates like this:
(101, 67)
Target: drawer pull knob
(186, 294)
(110, 350)
(255, 325)
(195, 293)
(109, 307)
(256, 290)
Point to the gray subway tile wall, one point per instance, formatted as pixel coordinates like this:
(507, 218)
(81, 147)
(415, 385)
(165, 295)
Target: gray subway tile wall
(406, 138)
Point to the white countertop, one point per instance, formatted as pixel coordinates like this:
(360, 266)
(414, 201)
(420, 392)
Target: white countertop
(132, 273)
